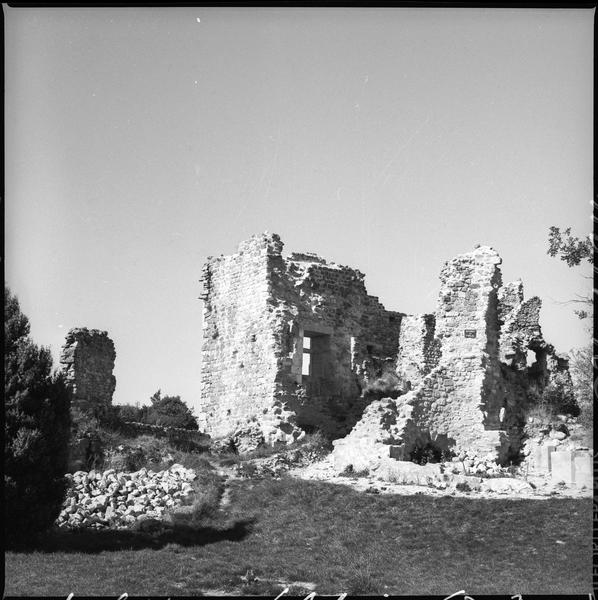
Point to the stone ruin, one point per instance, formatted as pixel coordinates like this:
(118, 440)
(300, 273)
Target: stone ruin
(294, 344)
(87, 360)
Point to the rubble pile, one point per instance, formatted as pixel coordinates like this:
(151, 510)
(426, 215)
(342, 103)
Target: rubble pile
(277, 464)
(469, 462)
(117, 499)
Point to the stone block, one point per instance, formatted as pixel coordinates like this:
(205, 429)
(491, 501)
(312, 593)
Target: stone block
(563, 466)
(583, 464)
(542, 459)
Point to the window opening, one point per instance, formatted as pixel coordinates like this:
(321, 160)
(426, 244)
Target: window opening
(306, 363)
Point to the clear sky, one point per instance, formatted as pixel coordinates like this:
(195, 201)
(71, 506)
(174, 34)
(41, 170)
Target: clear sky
(141, 141)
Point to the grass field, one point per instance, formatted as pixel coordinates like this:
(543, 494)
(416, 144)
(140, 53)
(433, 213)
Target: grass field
(290, 530)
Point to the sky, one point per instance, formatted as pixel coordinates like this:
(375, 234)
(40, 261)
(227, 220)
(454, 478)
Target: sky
(140, 141)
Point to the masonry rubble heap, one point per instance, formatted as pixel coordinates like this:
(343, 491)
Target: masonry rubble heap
(116, 499)
(293, 344)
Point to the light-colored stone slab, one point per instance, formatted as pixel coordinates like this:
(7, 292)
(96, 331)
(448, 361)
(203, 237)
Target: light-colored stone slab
(583, 469)
(563, 466)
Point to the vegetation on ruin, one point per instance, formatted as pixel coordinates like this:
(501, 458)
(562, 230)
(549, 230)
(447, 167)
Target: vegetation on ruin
(165, 411)
(36, 433)
(387, 385)
(328, 538)
(575, 251)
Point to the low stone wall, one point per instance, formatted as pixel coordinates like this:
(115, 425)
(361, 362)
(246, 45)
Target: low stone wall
(573, 467)
(181, 435)
(112, 499)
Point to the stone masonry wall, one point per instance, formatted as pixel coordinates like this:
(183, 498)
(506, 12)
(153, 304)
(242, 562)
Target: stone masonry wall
(240, 360)
(419, 350)
(88, 361)
(354, 340)
(268, 316)
(259, 308)
(469, 401)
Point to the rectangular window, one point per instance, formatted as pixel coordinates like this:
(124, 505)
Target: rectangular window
(306, 363)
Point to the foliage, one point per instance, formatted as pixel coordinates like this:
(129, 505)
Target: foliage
(424, 453)
(387, 385)
(582, 375)
(36, 434)
(573, 251)
(568, 248)
(128, 412)
(170, 411)
(558, 396)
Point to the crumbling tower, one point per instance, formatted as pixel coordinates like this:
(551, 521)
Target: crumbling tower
(87, 360)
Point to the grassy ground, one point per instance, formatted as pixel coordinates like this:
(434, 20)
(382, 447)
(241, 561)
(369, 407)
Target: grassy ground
(289, 530)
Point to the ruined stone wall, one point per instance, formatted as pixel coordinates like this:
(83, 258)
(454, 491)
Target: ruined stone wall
(457, 404)
(240, 354)
(267, 316)
(354, 339)
(259, 308)
(87, 360)
(419, 350)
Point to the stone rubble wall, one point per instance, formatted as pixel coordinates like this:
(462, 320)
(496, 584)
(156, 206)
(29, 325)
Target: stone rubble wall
(258, 307)
(466, 365)
(419, 350)
(470, 401)
(239, 353)
(321, 297)
(116, 499)
(87, 360)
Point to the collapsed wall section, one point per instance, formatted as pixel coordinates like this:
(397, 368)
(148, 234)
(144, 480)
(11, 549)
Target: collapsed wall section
(454, 407)
(87, 360)
(337, 339)
(289, 341)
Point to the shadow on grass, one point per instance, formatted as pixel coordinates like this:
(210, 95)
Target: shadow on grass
(95, 541)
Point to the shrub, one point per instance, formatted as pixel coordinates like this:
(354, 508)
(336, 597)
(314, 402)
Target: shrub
(170, 411)
(388, 385)
(429, 453)
(37, 421)
(128, 412)
(558, 396)
(146, 451)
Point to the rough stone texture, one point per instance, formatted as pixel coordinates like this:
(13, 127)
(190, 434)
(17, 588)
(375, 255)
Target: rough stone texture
(88, 361)
(473, 383)
(259, 308)
(463, 373)
(99, 500)
(419, 350)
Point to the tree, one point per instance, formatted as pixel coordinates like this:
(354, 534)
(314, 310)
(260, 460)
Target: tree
(36, 429)
(170, 411)
(574, 251)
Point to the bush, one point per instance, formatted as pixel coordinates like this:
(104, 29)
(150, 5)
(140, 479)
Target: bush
(128, 412)
(36, 435)
(388, 385)
(558, 396)
(170, 411)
